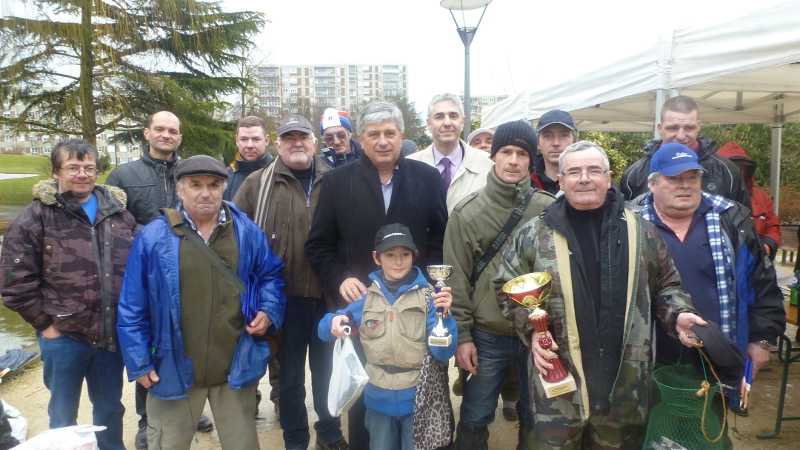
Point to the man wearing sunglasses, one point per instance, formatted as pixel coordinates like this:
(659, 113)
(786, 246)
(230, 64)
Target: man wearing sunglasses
(336, 133)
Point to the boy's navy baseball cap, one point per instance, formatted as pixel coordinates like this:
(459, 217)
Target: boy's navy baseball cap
(393, 235)
(674, 158)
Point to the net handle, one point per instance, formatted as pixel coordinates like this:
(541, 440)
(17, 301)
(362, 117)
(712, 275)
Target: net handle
(704, 391)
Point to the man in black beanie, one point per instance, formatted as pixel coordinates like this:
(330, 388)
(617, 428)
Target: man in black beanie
(487, 342)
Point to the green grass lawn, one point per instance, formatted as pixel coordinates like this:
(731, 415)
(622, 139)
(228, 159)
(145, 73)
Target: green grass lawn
(23, 164)
(17, 192)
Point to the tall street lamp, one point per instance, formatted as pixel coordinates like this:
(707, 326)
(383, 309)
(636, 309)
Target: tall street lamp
(467, 35)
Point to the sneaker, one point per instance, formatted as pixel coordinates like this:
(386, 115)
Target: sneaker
(510, 411)
(204, 424)
(341, 444)
(141, 438)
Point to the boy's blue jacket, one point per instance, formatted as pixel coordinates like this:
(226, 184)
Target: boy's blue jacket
(149, 314)
(391, 402)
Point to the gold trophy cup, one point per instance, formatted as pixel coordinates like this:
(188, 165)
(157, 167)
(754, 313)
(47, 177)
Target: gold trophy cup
(440, 337)
(531, 290)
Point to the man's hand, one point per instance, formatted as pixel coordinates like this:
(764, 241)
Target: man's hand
(352, 290)
(51, 332)
(541, 355)
(259, 325)
(759, 355)
(148, 380)
(467, 357)
(683, 328)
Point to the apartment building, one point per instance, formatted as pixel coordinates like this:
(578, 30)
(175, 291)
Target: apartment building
(309, 90)
(478, 103)
(41, 144)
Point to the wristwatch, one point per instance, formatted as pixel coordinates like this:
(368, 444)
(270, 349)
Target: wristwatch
(764, 343)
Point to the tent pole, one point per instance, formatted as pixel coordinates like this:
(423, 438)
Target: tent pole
(775, 165)
(659, 103)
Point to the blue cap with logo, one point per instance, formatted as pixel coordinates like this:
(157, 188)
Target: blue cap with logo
(674, 158)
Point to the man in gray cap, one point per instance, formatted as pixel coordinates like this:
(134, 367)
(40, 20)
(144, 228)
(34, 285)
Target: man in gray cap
(281, 199)
(187, 330)
(556, 131)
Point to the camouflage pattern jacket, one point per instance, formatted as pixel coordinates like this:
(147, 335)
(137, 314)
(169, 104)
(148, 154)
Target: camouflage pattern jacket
(653, 292)
(58, 268)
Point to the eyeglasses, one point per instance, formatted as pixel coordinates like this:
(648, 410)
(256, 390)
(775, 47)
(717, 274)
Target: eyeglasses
(291, 140)
(74, 171)
(575, 175)
(329, 136)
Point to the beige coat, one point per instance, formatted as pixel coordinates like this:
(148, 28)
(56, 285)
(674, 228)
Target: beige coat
(470, 177)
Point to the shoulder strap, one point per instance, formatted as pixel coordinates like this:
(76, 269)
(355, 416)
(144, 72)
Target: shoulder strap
(192, 236)
(501, 238)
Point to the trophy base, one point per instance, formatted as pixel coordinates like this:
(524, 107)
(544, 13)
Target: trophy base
(437, 341)
(562, 387)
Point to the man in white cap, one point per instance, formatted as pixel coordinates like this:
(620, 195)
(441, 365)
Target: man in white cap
(463, 169)
(481, 139)
(336, 133)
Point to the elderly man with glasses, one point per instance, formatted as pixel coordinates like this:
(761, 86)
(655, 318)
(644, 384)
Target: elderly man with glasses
(336, 132)
(612, 279)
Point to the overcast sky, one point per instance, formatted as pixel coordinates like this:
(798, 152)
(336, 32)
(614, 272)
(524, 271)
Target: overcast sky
(519, 43)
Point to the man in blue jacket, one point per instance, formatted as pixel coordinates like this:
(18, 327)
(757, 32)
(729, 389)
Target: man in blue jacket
(182, 325)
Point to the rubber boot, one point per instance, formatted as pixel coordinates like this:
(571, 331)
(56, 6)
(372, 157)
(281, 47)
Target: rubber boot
(471, 438)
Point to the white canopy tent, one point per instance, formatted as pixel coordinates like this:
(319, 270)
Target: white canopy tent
(746, 70)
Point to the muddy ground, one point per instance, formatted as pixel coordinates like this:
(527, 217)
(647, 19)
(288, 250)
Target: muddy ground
(26, 392)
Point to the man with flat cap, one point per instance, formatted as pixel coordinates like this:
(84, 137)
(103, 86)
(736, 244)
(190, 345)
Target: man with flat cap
(187, 330)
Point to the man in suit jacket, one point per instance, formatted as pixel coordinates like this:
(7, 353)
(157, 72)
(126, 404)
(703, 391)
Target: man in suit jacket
(356, 200)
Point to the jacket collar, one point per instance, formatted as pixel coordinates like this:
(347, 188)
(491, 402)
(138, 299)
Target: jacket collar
(149, 160)
(109, 198)
(504, 194)
(240, 165)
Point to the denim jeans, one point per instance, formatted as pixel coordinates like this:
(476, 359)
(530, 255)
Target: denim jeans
(66, 363)
(482, 390)
(389, 432)
(300, 335)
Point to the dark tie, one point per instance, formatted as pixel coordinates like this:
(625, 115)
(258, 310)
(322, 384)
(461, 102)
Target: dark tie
(446, 173)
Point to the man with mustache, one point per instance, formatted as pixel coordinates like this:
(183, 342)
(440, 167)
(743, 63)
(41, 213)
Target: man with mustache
(488, 342)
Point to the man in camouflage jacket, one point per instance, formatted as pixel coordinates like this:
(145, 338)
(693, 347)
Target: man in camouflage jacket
(612, 277)
(62, 265)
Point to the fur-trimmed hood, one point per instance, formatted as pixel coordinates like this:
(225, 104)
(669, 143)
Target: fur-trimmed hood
(46, 191)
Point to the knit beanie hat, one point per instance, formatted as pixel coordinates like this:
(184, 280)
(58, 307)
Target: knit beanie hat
(333, 118)
(519, 133)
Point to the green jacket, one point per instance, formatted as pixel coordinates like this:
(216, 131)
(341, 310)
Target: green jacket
(473, 225)
(653, 292)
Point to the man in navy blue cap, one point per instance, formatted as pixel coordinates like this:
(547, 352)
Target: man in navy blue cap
(556, 131)
(718, 253)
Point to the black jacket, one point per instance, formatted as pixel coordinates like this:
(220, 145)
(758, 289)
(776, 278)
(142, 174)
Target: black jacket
(149, 184)
(350, 210)
(722, 177)
(239, 170)
(333, 160)
(540, 180)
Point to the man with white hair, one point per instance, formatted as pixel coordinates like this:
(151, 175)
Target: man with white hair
(462, 168)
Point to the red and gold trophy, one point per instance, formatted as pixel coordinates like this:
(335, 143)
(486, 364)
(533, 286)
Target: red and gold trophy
(531, 290)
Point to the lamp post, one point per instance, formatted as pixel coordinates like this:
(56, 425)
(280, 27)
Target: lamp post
(467, 34)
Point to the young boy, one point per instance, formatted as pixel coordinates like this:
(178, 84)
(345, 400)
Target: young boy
(395, 318)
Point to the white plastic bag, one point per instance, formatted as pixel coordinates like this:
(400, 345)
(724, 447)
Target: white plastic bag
(77, 437)
(19, 424)
(347, 379)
